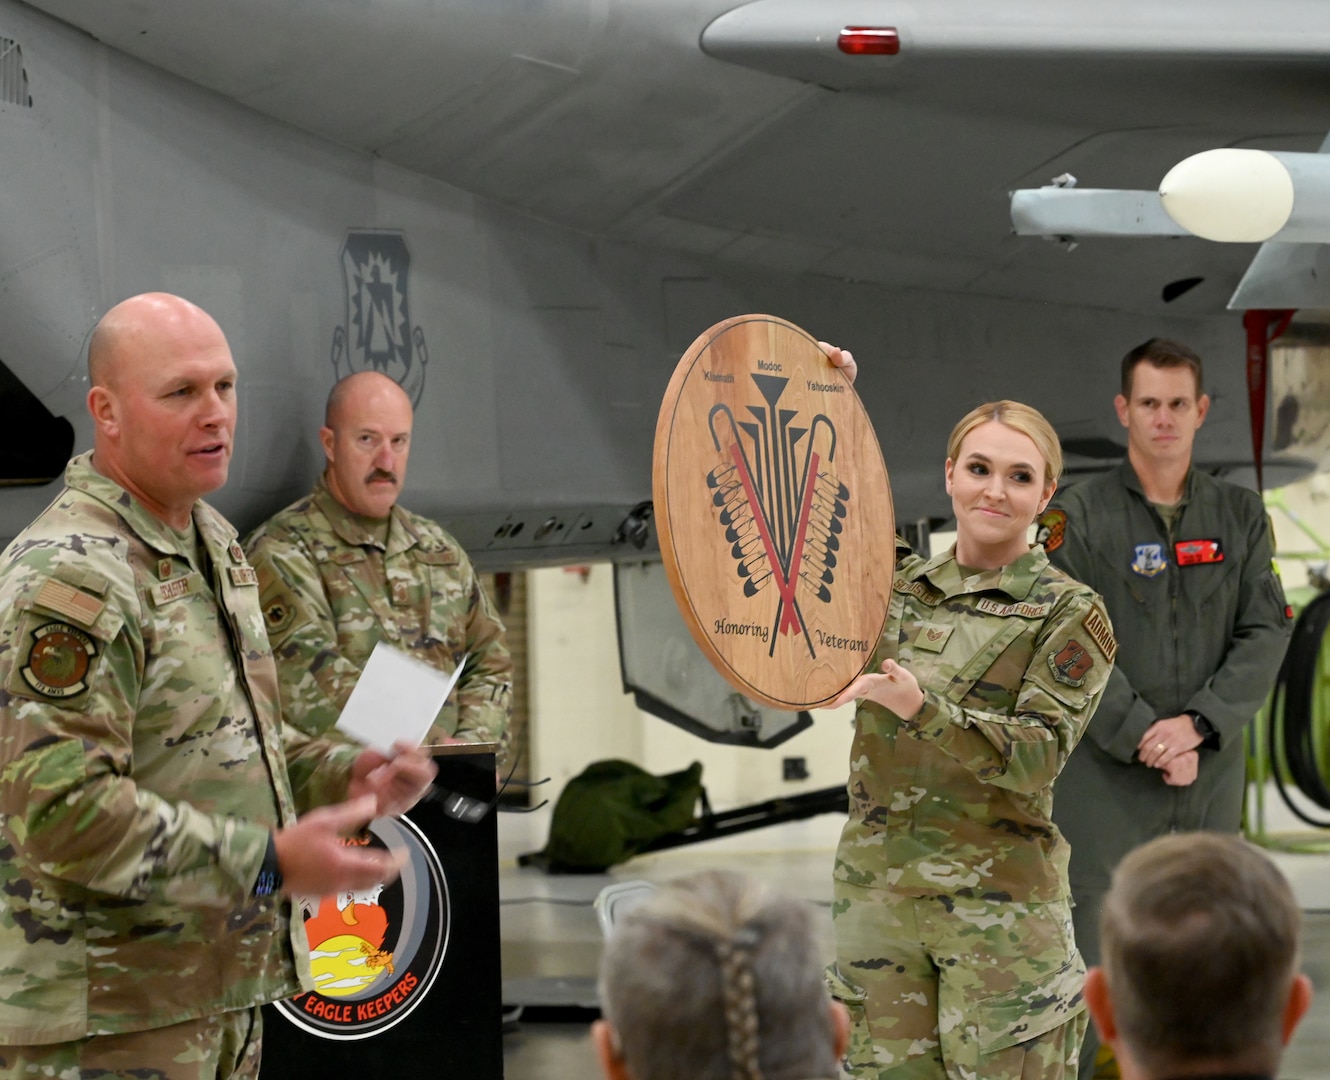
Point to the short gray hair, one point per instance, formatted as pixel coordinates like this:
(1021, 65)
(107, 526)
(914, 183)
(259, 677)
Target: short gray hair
(717, 977)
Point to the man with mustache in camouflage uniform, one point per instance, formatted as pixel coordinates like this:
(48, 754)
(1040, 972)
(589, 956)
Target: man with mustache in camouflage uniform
(346, 567)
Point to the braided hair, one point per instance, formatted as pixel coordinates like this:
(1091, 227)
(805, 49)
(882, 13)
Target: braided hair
(718, 978)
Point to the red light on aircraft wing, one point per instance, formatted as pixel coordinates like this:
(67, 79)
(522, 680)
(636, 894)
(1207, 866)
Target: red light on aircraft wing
(869, 41)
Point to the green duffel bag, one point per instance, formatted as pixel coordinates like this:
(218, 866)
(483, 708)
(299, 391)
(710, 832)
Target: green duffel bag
(613, 809)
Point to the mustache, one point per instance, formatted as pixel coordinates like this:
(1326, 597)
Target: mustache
(381, 474)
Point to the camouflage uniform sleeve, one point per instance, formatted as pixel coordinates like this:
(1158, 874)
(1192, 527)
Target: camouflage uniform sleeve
(68, 801)
(320, 769)
(485, 690)
(1025, 750)
(314, 679)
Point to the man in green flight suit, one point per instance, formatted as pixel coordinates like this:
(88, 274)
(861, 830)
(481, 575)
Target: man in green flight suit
(148, 791)
(345, 567)
(1184, 563)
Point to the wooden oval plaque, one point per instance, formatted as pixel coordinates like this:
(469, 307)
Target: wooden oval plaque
(774, 512)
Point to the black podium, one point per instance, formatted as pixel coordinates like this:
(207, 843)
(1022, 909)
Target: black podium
(407, 977)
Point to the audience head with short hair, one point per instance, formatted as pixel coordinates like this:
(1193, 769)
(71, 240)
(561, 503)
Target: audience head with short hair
(717, 977)
(1200, 939)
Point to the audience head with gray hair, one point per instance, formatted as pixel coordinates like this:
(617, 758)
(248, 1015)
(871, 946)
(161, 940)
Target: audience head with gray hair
(717, 977)
(1200, 944)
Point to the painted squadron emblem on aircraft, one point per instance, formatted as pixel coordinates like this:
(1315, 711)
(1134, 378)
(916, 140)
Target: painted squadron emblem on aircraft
(782, 508)
(378, 335)
(375, 954)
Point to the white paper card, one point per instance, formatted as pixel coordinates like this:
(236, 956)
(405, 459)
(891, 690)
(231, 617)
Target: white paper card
(395, 699)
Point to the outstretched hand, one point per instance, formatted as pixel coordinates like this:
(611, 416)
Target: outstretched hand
(896, 689)
(397, 783)
(315, 858)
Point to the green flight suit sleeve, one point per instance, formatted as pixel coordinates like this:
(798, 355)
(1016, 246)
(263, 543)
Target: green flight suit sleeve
(1122, 715)
(1238, 688)
(1025, 749)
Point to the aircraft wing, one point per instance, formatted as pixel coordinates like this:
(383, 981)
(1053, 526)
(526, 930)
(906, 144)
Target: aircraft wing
(584, 185)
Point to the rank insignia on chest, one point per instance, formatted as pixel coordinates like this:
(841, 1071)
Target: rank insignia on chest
(1071, 663)
(932, 637)
(1198, 552)
(236, 552)
(1150, 560)
(59, 660)
(163, 569)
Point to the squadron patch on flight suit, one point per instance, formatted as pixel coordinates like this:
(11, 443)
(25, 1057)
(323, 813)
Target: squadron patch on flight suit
(59, 661)
(1150, 560)
(1071, 663)
(1052, 528)
(1198, 552)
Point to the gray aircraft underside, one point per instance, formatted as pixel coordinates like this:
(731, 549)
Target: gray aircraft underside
(526, 210)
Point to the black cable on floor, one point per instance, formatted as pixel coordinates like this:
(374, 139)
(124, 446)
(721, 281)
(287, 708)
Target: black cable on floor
(1292, 723)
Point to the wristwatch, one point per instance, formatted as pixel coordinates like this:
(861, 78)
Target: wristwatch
(1205, 729)
(269, 880)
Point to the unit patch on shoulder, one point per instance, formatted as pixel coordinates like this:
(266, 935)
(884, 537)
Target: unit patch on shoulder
(59, 660)
(1052, 527)
(1101, 633)
(1071, 663)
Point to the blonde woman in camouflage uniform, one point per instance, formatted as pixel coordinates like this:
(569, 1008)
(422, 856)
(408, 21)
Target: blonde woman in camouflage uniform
(954, 945)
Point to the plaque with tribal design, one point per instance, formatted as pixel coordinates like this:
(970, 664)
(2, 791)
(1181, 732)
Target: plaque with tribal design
(774, 512)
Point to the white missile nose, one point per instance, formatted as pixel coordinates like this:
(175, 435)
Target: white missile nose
(1242, 196)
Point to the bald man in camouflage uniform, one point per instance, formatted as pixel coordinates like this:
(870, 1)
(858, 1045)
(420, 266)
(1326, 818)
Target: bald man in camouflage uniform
(953, 926)
(148, 797)
(346, 567)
